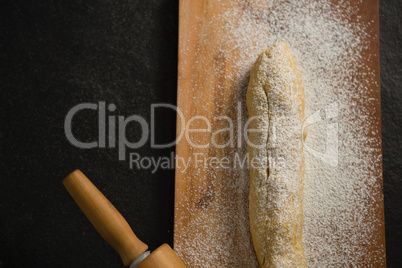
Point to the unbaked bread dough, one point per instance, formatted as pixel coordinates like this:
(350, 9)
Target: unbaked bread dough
(275, 103)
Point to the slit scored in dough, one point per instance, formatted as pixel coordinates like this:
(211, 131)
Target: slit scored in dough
(275, 103)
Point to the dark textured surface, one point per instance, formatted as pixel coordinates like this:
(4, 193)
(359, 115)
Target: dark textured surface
(56, 54)
(391, 113)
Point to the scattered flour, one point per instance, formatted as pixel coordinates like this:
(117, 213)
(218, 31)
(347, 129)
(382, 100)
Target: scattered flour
(342, 216)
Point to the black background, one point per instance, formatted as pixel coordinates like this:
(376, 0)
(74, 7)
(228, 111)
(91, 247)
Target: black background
(57, 54)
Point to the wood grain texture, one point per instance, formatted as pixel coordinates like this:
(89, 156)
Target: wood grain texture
(211, 203)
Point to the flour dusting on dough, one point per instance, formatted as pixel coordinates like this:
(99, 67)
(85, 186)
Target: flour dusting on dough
(343, 159)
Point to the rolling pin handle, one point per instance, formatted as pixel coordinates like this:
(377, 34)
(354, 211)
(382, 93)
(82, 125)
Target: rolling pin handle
(114, 228)
(109, 223)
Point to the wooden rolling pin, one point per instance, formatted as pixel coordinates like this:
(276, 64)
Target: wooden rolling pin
(114, 228)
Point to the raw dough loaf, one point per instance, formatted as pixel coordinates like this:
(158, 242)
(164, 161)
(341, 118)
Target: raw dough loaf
(275, 103)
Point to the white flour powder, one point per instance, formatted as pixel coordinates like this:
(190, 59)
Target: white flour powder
(343, 155)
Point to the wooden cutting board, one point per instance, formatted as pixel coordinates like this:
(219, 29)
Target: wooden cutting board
(218, 42)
